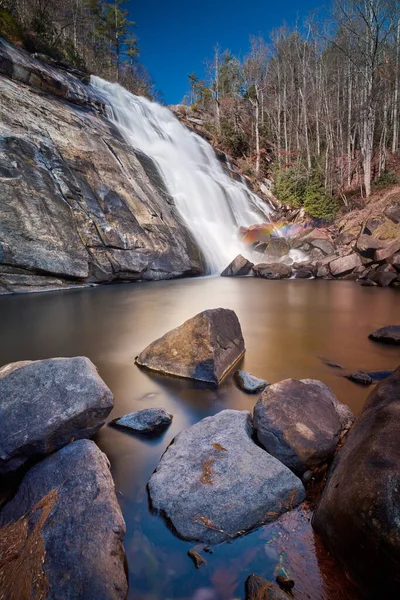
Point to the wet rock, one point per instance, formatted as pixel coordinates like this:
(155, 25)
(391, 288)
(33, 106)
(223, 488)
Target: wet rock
(387, 335)
(197, 559)
(45, 404)
(345, 264)
(367, 245)
(303, 274)
(299, 422)
(285, 583)
(359, 513)
(214, 483)
(68, 530)
(249, 383)
(396, 262)
(146, 420)
(384, 275)
(361, 378)
(239, 267)
(258, 588)
(276, 248)
(204, 347)
(272, 271)
(367, 283)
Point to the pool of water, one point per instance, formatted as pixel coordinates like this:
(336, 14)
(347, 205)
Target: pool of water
(290, 328)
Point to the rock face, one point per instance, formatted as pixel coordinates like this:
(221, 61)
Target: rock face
(272, 271)
(299, 422)
(249, 383)
(239, 267)
(77, 204)
(62, 534)
(214, 482)
(359, 513)
(146, 420)
(204, 348)
(46, 404)
(386, 335)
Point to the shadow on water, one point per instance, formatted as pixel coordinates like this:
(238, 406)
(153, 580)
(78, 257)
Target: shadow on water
(287, 326)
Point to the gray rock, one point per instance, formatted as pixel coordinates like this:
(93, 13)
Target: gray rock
(367, 245)
(345, 264)
(146, 420)
(272, 271)
(45, 404)
(214, 483)
(303, 274)
(388, 251)
(71, 530)
(249, 383)
(205, 347)
(358, 515)
(299, 423)
(362, 378)
(324, 245)
(387, 335)
(240, 266)
(393, 212)
(277, 248)
(258, 588)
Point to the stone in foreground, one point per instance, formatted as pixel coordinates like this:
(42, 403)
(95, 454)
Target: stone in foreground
(249, 383)
(239, 267)
(214, 483)
(386, 335)
(258, 588)
(62, 534)
(359, 513)
(45, 404)
(145, 421)
(300, 422)
(361, 378)
(204, 348)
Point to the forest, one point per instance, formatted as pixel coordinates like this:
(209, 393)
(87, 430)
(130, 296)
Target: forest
(322, 98)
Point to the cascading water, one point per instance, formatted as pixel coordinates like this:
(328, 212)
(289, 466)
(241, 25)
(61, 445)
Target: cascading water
(212, 205)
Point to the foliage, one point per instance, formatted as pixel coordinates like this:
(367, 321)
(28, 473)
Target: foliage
(290, 185)
(386, 178)
(233, 139)
(317, 202)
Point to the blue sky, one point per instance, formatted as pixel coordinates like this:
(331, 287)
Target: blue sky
(177, 36)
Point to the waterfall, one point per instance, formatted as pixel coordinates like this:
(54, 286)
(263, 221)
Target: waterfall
(212, 205)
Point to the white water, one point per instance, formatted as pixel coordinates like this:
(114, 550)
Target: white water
(212, 205)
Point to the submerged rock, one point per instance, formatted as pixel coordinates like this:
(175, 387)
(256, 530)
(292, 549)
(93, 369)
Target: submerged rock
(204, 348)
(249, 383)
(359, 513)
(387, 335)
(258, 588)
(197, 559)
(214, 483)
(239, 267)
(362, 378)
(45, 404)
(146, 420)
(300, 422)
(272, 271)
(62, 534)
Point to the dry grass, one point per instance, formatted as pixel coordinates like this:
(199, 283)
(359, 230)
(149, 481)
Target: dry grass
(22, 554)
(207, 471)
(218, 447)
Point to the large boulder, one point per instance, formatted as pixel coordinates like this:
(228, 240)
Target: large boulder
(393, 212)
(358, 516)
(272, 271)
(45, 404)
(205, 347)
(214, 483)
(345, 264)
(145, 421)
(300, 422)
(387, 335)
(367, 245)
(277, 248)
(62, 535)
(388, 251)
(239, 267)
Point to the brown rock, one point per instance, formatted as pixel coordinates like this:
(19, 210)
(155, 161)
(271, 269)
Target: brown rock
(344, 265)
(387, 335)
(238, 267)
(367, 244)
(388, 251)
(204, 348)
(258, 588)
(272, 271)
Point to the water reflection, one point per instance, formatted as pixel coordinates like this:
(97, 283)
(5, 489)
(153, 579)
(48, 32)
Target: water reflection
(287, 326)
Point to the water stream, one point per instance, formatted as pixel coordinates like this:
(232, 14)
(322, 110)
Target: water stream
(212, 204)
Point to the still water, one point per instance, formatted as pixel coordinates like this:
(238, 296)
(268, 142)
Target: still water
(289, 328)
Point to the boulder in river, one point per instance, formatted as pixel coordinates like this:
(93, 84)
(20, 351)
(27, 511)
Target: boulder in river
(204, 347)
(239, 267)
(249, 383)
(300, 422)
(62, 535)
(145, 421)
(214, 483)
(387, 335)
(45, 404)
(358, 515)
(272, 271)
(361, 378)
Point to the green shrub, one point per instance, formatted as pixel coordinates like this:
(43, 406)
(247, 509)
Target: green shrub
(233, 140)
(9, 27)
(290, 185)
(318, 203)
(386, 178)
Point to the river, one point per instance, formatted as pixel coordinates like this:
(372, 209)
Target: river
(290, 328)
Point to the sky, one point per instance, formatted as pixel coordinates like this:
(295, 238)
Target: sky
(176, 36)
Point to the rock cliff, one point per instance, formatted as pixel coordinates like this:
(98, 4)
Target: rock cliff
(78, 205)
